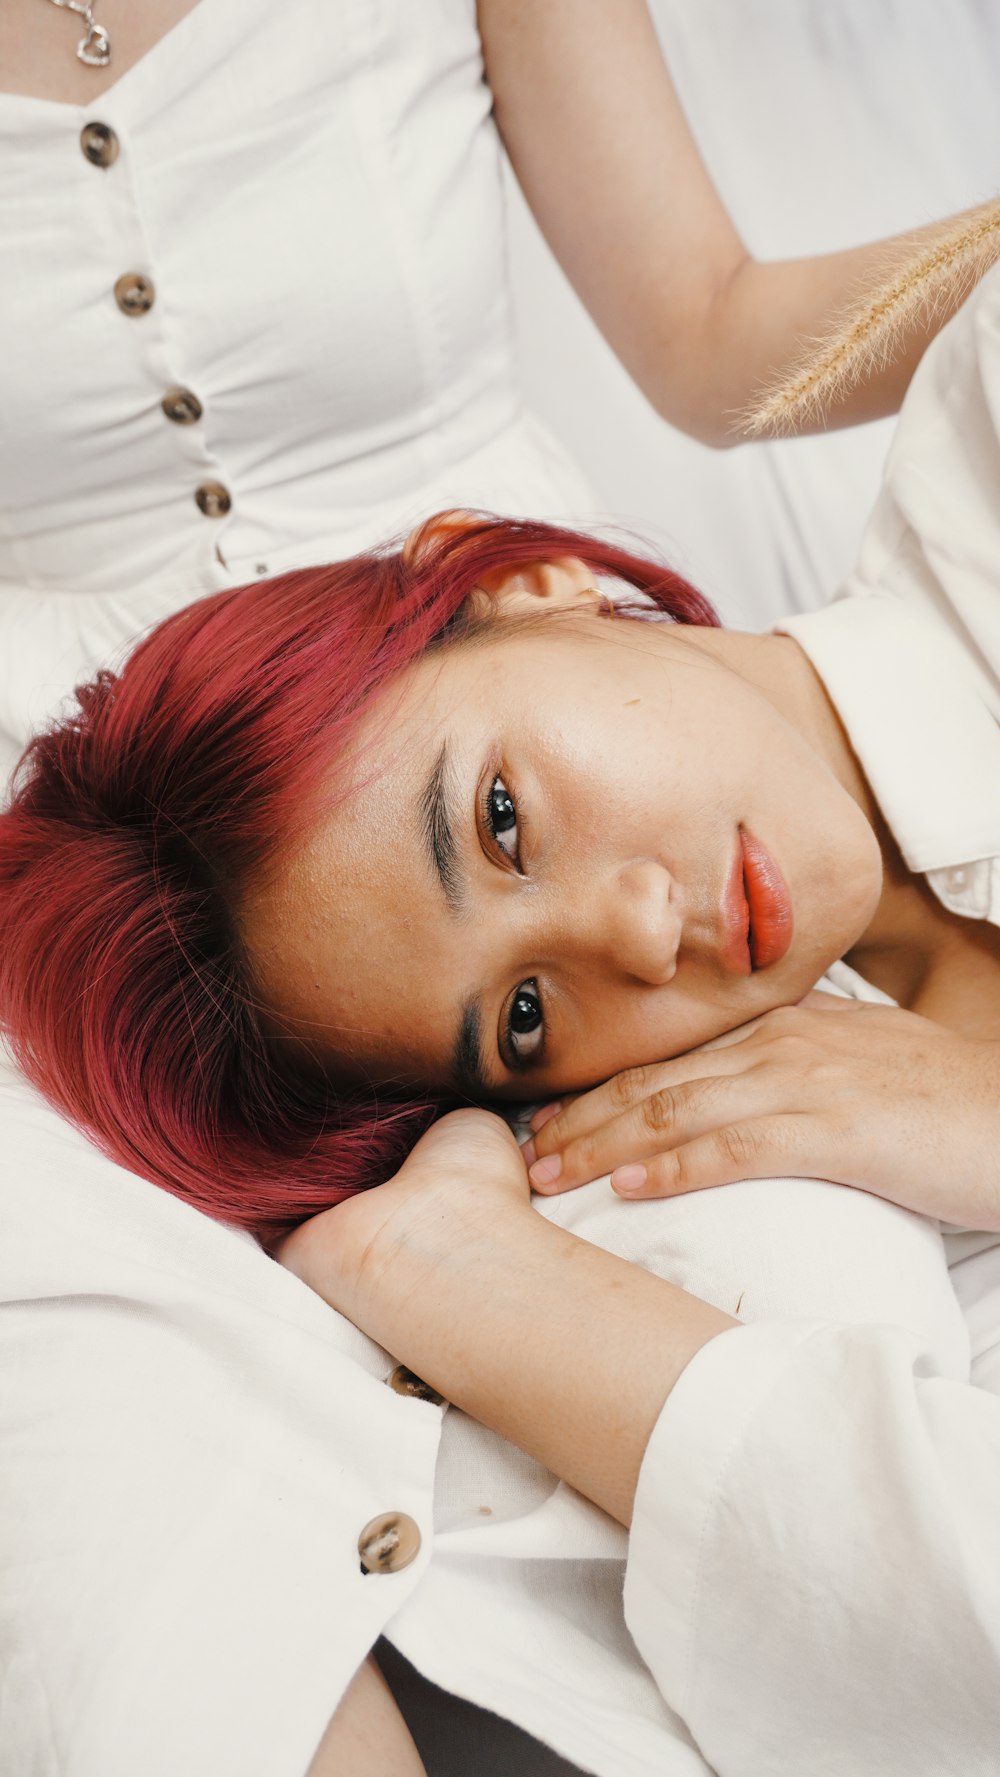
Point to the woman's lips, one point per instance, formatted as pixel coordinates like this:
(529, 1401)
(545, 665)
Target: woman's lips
(735, 947)
(756, 909)
(769, 901)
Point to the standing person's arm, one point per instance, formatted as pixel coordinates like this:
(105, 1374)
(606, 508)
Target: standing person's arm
(814, 1569)
(603, 152)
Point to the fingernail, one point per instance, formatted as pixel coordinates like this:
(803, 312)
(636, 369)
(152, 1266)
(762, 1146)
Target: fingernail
(628, 1179)
(528, 1154)
(545, 1172)
(545, 1115)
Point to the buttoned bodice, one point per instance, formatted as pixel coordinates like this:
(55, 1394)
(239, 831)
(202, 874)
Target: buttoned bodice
(256, 314)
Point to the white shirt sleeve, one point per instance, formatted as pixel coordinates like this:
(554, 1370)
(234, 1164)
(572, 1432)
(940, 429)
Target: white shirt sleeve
(814, 1565)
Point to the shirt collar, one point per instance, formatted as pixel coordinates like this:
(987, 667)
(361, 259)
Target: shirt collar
(925, 740)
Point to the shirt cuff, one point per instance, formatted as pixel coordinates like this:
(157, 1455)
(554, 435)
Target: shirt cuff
(687, 1460)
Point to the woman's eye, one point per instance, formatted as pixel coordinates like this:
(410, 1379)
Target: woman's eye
(501, 816)
(525, 1023)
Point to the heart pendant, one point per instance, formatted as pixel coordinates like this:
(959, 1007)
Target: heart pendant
(95, 47)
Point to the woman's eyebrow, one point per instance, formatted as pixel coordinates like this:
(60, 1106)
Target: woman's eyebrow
(439, 831)
(468, 1060)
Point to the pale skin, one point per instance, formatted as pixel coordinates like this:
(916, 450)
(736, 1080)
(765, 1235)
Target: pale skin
(600, 145)
(367, 1736)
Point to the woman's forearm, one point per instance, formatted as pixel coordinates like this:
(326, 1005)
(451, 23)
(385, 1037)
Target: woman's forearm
(567, 1350)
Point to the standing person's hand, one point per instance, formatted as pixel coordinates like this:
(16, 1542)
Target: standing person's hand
(865, 1095)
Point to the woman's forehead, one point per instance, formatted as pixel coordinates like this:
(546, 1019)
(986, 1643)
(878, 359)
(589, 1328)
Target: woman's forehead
(338, 955)
(456, 693)
(342, 931)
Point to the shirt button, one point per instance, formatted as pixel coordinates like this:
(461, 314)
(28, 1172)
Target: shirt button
(213, 499)
(403, 1381)
(99, 144)
(389, 1543)
(181, 406)
(134, 293)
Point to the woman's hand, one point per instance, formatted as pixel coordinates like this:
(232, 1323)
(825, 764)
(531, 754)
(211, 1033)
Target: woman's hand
(865, 1095)
(463, 1176)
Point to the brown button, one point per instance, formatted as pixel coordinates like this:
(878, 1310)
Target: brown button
(134, 294)
(403, 1381)
(99, 144)
(181, 406)
(213, 499)
(389, 1543)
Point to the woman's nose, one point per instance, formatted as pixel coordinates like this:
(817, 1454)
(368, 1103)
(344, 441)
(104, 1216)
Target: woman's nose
(637, 921)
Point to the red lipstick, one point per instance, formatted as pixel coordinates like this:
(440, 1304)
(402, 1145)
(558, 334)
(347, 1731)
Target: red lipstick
(768, 901)
(735, 946)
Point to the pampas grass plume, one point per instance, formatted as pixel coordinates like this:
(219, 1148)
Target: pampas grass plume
(912, 294)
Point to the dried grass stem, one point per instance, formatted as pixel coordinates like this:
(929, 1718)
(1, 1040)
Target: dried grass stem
(872, 333)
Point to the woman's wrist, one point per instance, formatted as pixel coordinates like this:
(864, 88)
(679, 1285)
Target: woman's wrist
(559, 1346)
(565, 1349)
(424, 1252)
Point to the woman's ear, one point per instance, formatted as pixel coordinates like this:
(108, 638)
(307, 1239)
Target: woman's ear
(563, 585)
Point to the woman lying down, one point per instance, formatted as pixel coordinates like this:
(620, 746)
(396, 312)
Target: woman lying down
(459, 825)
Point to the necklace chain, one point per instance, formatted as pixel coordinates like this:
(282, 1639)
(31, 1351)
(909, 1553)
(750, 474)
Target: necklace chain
(94, 47)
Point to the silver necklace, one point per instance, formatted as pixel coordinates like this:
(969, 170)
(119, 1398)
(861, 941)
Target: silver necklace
(94, 46)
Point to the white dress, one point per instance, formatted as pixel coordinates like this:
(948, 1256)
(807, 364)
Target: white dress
(289, 218)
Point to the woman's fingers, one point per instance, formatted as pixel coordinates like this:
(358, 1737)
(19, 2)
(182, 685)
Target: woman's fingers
(874, 1097)
(765, 1148)
(663, 1118)
(625, 1094)
(545, 1115)
(767, 1067)
(555, 1127)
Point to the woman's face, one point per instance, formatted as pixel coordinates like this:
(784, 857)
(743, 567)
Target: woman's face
(548, 867)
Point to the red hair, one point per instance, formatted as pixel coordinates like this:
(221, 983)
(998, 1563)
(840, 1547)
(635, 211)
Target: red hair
(135, 823)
